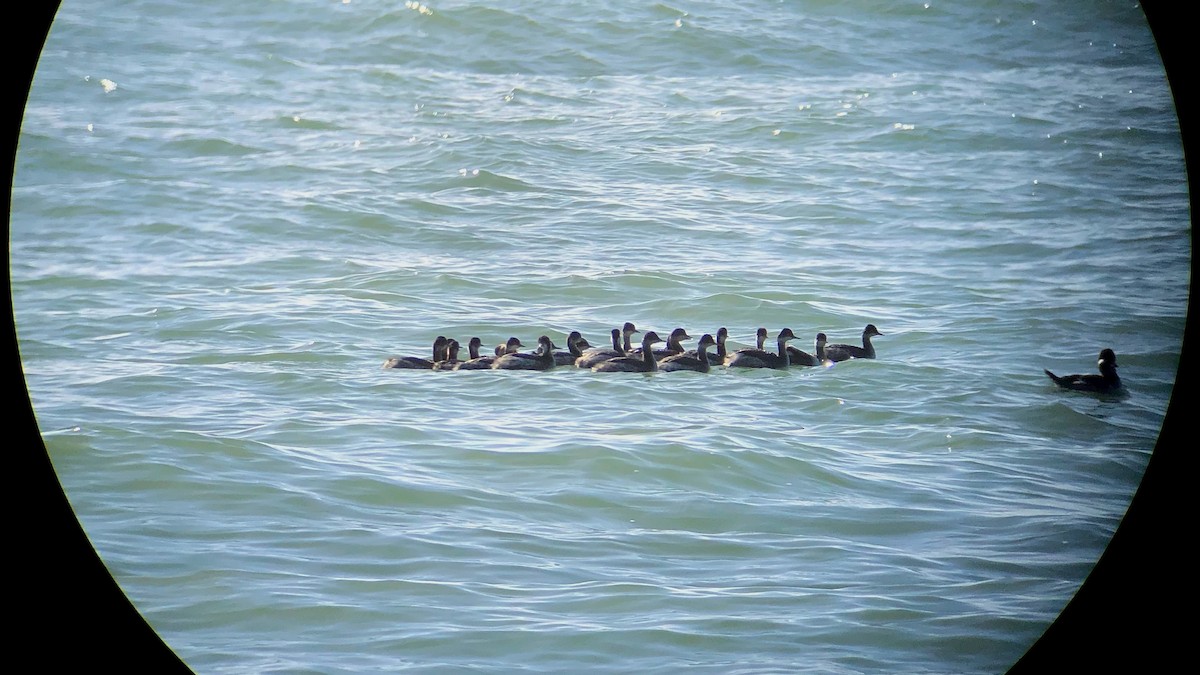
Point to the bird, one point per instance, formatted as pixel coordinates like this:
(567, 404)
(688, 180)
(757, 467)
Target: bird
(799, 357)
(451, 360)
(673, 345)
(760, 338)
(542, 359)
(688, 361)
(633, 364)
(717, 358)
(820, 350)
(576, 343)
(417, 362)
(597, 354)
(474, 360)
(509, 347)
(1106, 382)
(840, 352)
(627, 330)
(473, 346)
(759, 358)
(477, 362)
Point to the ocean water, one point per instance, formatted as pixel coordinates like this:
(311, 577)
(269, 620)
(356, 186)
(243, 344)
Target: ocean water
(226, 216)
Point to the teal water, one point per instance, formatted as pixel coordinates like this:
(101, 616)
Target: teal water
(225, 217)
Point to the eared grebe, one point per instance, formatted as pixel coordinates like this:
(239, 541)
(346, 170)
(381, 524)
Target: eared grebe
(673, 347)
(451, 361)
(718, 358)
(760, 358)
(576, 343)
(760, 338)
(542, 359)
(439, 354)
(688, 361)
(627, 330)
(509, 347)
(847, 352)
(799, 357)
(597, 354)
(477, 362)
(633, 364)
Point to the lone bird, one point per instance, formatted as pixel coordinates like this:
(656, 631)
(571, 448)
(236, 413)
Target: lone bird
(1106, 382)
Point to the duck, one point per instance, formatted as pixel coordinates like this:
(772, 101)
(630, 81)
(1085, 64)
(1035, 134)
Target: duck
(799, 357)
(687, 361)
(759, 358)
(542, 359)
(1106, 382)
(673, 345)
(597, 354)
(840, 352)
(417, 362)
(646, 363)
(576, 343)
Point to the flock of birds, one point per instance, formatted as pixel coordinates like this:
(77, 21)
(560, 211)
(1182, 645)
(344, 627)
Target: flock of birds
(622, 356)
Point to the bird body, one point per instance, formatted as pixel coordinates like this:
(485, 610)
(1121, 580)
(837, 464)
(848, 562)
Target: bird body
(673, 345)
(542, 359)
(688, 361)
(759, 358)
(576, 343)
(417, 362)
(842, 352)
(644, 363)
(799, 357)
(1106, 382)
(477, 362)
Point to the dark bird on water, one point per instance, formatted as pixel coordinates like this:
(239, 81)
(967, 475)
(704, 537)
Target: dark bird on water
(439, 354)
(847, 352)
(697, 360)
(645, 363)
(542, 359)
(760, 358)
(1106, 382)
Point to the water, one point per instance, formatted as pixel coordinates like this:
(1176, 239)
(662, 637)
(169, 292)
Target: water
(225, 217)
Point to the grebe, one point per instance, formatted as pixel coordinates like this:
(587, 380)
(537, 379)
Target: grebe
(645, 363)
(799, 357)
(597, 354)
(847, 352)
(759, 358)
(687, 361)
(673, 345)
(451, 361)
(717, 358)
(439, 354)
(542, 359)
(576, 343)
